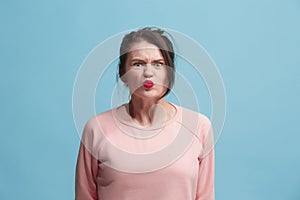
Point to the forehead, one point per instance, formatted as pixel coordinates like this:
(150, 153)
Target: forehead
(144, 49)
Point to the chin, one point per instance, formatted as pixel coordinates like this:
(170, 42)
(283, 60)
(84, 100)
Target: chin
(148, 94)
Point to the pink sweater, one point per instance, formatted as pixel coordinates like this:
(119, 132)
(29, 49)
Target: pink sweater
(118, 160)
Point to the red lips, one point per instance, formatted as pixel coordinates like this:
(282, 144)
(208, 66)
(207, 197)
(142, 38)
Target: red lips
(148, 84)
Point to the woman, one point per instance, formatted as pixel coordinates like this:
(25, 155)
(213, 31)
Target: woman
(149, 148)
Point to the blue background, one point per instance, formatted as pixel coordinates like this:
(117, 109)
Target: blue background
(255, 45)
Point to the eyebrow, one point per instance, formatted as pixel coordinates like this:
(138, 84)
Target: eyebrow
(142, 60)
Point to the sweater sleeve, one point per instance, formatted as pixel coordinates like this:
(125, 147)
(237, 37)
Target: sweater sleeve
(86, 168)
(205, 186)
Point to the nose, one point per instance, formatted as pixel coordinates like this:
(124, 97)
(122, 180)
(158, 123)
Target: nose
(148, 71)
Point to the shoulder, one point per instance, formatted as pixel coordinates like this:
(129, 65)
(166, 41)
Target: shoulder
(195, 122)
(95, 121)
(201, 126)
(189, 116)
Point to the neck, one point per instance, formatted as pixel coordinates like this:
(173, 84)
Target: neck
(149, 112)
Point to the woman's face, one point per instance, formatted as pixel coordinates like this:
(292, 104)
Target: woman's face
(146, 72)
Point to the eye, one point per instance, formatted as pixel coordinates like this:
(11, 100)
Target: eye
(138, 64)
(158, 64)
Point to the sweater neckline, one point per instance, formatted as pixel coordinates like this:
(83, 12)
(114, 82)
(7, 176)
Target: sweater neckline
(122, 116)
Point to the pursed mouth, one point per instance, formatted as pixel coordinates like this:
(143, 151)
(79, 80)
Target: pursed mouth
(148, 84)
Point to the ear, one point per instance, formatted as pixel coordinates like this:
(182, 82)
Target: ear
(124, 80)
(123, 77)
